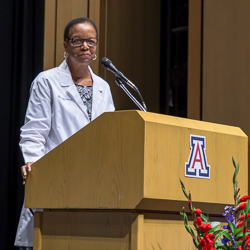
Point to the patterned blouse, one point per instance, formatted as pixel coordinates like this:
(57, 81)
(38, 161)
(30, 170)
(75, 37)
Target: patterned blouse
(86, 93)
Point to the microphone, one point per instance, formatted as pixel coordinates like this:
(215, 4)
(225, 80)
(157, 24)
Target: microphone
(107, 64)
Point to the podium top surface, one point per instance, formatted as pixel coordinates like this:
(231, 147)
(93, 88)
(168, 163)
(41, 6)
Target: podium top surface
(189, 123)
(134, 160)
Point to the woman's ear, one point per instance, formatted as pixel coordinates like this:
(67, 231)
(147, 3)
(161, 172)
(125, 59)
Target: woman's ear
(65, 44)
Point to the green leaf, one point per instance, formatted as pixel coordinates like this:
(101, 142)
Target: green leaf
(185, 219)
(248, 207)
(218, 234)
(184, 189)
(234, 163)
(236, 192)
(222, 246)
(188, 228)
(204, 218)
(215, 230)
(237, 244)
(239, 235)
(215, 224)
(192, 232)
(236, 173)
(232, 226)
(196, 243)
(236, 231)
(189, 197)
(220, 230)
(238, 200)
(227, 235)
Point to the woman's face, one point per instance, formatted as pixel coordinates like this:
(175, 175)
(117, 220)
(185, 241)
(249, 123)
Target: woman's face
(85, 52)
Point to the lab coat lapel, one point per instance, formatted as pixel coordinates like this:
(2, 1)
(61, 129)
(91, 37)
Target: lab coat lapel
(97, 94)
(68, 84)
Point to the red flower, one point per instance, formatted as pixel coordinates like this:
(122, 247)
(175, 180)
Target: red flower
(207, 241)
(208, 247)
(240, 248)
(242, 217)
(205, 227)
(247, 243)
(198, 221)
(209, 238)
(241, 207)
(198, 211)
(190, 203)
(240, 224)
(202, 242)
(244, 198)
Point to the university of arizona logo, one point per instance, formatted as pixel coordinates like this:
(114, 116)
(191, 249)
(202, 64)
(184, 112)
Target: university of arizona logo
(197, 166)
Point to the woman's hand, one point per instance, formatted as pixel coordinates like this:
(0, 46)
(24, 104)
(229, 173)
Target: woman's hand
(25, 169)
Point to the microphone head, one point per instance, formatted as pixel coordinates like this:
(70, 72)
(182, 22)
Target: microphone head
(105, 62)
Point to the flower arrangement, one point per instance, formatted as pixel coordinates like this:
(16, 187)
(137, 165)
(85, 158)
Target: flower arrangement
(212, 235)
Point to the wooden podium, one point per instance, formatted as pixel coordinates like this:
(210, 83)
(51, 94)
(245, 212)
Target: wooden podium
(115, 183)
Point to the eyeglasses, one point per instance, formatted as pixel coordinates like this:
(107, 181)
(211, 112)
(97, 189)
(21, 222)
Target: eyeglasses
(78, 41)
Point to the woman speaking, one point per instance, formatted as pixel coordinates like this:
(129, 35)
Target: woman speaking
(62, 101)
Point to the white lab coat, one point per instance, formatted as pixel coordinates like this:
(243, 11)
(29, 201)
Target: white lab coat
(55, 112)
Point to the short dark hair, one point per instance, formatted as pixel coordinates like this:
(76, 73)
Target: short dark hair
(77, 21)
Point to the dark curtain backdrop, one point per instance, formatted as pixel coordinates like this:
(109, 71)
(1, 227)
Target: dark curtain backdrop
(21, 43)
(174, 36)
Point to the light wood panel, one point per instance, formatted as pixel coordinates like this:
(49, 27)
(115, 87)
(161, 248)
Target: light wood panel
(137, 234)
(218, 52)
(94, 14)
(57, 15)
(86, 230)
(194, 59)
(49, 34)
(172, 149)
(133, 45)
(226, 63)
(111, 230)
(166, 234)
(66, 11)
(38, 233)
(103, 35)
(98, 167)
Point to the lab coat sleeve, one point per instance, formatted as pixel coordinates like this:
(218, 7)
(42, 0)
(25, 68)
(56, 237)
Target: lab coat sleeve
(34, 132)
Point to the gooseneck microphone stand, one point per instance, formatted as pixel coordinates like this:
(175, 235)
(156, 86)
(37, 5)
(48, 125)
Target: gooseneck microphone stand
(120, 84)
